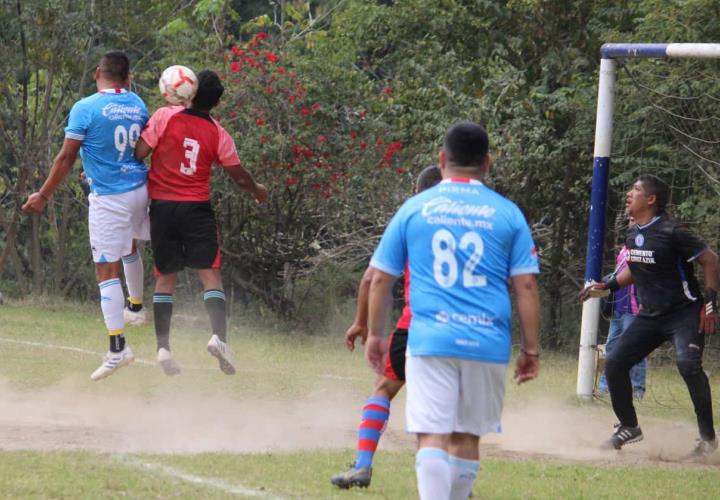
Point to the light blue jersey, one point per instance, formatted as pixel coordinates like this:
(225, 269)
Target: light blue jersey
(109, 124)
(462, 242)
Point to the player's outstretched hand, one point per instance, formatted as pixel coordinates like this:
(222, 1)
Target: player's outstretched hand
(375, 350)
(35, 204)
(353, 333)
(526, 367)
(261, 193)
(594, 289)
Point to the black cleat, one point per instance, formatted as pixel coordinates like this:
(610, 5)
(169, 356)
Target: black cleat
(353, 477)
(623, 435)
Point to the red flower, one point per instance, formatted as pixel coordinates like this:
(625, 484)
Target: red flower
(305, 111)
(316, 185)
(361, 115)
(222, 77)
(263, 140)
(316, 106)
(260, 122)
(379, 142)
(326, 194)
(236, 50)
(291, 98)
(233, 114)
(363, 144)
(261, 36)
(400, 170)
(280, 70)
(387, 90)
(322, 138)
(353, 134)
(269, 89)
(291, 181)
(235, 66)
(273, 58)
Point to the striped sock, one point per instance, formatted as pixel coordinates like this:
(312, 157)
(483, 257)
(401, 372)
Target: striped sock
(374, 418)
(215, 307)
(134, 275)
(162, 313)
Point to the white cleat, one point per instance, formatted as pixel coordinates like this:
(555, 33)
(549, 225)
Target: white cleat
(113, 361)
(133, 318)
(167, 363)
(221, 351)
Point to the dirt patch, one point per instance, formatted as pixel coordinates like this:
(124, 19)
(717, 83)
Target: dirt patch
(68, 416)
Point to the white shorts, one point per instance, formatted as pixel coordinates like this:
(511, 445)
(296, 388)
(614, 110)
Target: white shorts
(446, 395)
(115, 220)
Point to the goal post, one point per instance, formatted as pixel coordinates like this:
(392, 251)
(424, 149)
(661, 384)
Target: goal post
(610, 53)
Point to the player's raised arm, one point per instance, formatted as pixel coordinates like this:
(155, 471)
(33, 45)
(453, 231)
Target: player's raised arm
(61, 168)
(528, 304)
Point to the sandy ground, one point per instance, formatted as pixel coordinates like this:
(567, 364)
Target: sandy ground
(63, 417)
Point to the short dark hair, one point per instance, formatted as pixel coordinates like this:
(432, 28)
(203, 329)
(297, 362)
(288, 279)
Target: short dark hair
(652, 184)
(466, 144)
(115, 65)
(429, 176)
(210, 90)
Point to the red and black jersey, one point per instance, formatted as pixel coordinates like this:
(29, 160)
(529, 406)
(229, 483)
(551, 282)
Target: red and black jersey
(660, 256)
(190, 143)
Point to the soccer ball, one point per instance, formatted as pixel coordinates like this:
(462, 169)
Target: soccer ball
(178, 84)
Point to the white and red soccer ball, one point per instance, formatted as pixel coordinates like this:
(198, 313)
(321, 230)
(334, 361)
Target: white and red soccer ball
(178, 85)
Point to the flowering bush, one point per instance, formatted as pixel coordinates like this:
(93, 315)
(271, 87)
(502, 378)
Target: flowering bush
(333, 176)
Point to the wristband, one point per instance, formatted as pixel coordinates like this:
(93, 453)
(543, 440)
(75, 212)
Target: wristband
(710, 301)
(612, 284)
(530, 354)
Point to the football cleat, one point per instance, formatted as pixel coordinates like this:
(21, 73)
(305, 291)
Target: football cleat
(221, 351)
(353, 477)
(133, 318)
(703, 449)
(112, 362)
(167, 363)
(623, 435)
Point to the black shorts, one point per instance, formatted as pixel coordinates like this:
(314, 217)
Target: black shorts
(395, 364)
(183, 234)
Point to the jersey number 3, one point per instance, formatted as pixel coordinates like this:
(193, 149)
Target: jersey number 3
(192, 150)
(445, 264)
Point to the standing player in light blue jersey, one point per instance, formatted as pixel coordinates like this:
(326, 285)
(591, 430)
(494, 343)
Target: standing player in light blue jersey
(462, 242)
(103, 128)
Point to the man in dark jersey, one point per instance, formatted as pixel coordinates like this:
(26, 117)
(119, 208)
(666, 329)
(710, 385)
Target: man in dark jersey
(185, 144)
(376, 410)
(661, 255)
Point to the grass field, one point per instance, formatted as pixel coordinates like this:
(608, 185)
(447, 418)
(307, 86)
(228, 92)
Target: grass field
(286, 422)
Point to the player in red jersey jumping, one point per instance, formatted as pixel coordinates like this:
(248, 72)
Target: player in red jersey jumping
(185, 143)
(376, 410)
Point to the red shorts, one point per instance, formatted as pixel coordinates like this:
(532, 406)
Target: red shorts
(395, 364)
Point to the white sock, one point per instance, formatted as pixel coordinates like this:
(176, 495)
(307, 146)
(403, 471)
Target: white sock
(433, 474)
(463, 473)
(112, 303)
(134, 275)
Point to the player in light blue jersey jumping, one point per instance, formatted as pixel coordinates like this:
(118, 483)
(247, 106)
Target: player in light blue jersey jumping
(462, 242)
(103, 128)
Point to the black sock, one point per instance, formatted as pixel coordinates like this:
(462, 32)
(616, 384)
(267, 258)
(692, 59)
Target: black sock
(215, 307)
(134, 307)
(162, 313)
(117, 343)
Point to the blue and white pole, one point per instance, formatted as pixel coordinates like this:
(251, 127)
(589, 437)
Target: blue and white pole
(601, 171)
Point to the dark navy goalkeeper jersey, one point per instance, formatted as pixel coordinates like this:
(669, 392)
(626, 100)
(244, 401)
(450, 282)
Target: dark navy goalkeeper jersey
(661, 255)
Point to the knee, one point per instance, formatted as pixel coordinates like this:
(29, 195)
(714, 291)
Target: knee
(689, 367)
(615, 366)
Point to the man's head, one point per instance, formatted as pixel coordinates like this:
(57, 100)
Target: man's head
(210, 90)
(465, 149)
(113, 68)
(649, 193)
(429, 176)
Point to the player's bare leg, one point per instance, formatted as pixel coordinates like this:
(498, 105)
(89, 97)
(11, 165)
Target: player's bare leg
(214, 298)
(112, 303)
(372, 425)
(162, 312)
